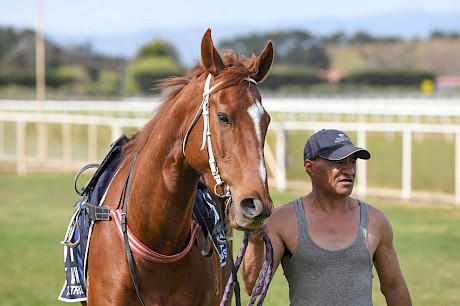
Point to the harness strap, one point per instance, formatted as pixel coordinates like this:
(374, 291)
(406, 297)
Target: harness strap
(206, 92)
(143, 251)
(129, 255)
(134, 245)
(206, 138)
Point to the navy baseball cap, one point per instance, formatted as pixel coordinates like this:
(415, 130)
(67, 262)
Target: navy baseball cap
(332, 145)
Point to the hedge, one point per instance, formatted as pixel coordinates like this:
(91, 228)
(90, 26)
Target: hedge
(281, 76)
(28, 79)
(388, 77)
(146, 71)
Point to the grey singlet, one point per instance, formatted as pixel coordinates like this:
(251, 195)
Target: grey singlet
(321, 277)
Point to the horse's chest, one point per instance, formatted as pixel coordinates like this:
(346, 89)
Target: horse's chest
(193, 282)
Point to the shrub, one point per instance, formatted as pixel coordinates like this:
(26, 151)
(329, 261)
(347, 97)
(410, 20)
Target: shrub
(292, 76)
(146, 71)
(388, 77)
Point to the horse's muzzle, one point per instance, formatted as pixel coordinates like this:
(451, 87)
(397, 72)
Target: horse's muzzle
(253, 212)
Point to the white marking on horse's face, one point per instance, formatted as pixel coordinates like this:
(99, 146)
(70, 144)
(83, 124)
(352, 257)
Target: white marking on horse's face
(256, 111)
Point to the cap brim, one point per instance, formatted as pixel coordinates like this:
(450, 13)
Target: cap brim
(345, 151)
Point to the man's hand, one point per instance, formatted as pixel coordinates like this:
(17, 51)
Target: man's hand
(257, 236)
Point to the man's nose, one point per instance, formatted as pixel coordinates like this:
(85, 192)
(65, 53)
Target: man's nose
(349, 168)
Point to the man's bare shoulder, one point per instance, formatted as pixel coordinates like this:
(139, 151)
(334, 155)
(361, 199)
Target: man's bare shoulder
(379, 222)
(284, 209)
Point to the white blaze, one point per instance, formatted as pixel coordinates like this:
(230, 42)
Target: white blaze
(256, 111)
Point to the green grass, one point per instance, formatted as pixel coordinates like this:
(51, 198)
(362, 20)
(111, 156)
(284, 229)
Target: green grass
(35, 211)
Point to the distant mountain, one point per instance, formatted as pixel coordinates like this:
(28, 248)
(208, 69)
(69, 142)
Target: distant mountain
(403, 24)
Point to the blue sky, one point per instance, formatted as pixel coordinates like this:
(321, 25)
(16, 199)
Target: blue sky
(100, 17)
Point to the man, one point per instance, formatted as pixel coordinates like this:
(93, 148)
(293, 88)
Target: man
(327, 241)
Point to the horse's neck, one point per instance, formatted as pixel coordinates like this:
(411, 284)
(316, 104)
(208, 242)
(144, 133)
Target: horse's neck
(162, 196)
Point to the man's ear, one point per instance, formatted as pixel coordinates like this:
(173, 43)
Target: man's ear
(308, 165)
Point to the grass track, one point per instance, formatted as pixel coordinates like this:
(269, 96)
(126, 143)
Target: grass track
(35, 210)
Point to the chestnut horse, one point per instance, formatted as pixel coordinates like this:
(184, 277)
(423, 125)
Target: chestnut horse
(211, 124)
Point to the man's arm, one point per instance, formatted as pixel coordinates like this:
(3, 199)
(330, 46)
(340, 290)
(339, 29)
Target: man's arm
(255, 252)
(392, 282)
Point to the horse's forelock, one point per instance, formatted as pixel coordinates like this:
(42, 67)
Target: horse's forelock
(237, 68)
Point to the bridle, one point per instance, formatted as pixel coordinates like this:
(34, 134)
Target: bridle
(206, 142)
(225, 199)
(120, 217)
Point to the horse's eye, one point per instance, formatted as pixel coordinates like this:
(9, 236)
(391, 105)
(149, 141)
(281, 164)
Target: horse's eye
(223, 118)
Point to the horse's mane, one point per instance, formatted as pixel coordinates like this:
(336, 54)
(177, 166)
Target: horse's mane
(237, 69)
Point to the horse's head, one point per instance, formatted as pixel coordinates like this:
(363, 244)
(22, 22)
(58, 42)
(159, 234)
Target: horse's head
(232, 157)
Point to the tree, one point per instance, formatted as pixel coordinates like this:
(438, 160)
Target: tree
(338, 38)
(294, 47)
(437, 34)
(154, 61)
(362, 37)
(158, 48)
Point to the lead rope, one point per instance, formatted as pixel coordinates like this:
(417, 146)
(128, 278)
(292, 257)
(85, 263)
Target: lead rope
(265, 275)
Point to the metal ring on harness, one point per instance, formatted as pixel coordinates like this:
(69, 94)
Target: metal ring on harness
(223, 197)
(69, 243)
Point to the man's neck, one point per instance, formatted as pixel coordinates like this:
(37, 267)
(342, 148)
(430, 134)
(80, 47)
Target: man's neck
(329, 204)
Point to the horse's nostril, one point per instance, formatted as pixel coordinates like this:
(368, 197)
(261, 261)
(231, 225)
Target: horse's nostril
(251, 208)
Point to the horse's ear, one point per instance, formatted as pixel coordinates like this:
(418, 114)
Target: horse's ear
(264, 62)
(211, 59)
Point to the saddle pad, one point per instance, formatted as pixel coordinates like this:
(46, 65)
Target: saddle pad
(74, 289)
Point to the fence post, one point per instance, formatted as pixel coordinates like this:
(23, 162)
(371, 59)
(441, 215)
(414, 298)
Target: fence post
(92, 143)
(362, 165)
(42, 141)
(281, 147)
(270, 161)
(67, 143)
(406, 164)
(116, 131)
(21, 167)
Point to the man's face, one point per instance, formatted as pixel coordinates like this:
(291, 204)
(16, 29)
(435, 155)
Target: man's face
(336, 176)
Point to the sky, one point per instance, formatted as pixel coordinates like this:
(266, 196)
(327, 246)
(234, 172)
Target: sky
(101, 17)
(121, 27)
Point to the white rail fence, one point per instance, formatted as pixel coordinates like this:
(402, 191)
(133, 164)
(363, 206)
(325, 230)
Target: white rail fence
(404, 107)
(276, 161)
(362, 129)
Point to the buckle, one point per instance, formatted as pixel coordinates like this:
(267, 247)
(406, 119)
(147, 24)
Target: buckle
(98, 213)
